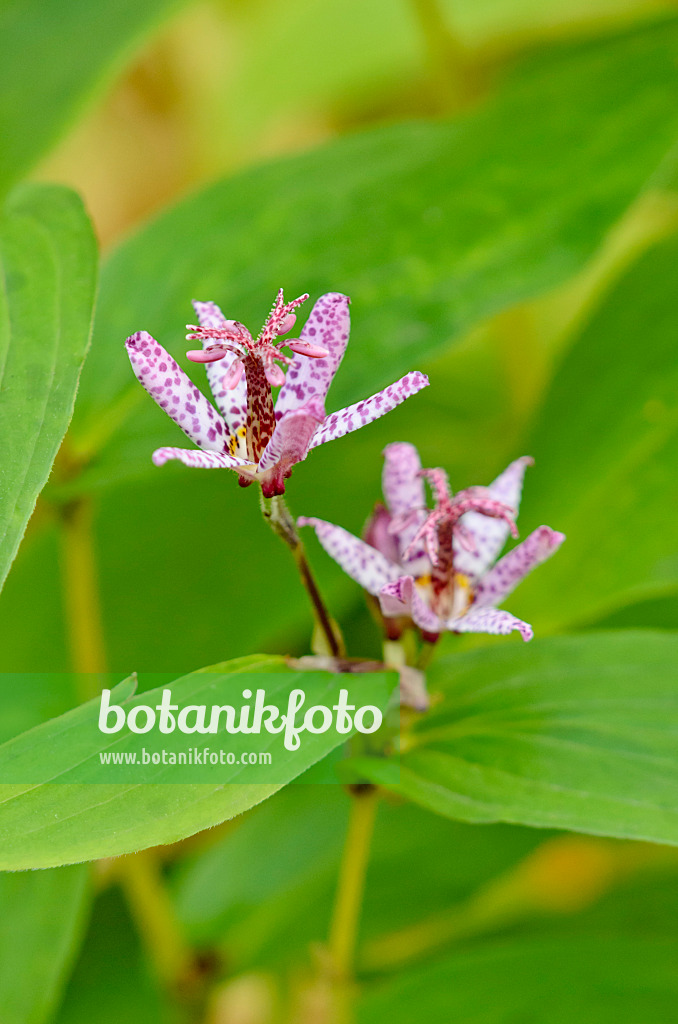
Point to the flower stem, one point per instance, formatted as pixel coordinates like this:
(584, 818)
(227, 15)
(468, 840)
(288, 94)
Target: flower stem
(153, 915)
(277, 515)
(351, 884)
(82, 607)
(140, 874)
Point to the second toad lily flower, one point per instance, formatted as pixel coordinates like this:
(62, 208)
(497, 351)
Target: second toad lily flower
(259, 440)
(439, 568)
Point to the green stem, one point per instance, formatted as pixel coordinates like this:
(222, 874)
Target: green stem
(277, 515)
(82, 607)
(351, 884)
(153, 914)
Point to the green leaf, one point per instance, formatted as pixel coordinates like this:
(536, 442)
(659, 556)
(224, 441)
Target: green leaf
(41, 922)
(52, 57)
(428, 226)
(606, 455)
(568, 732)
(48, 268)
(554, 981)
(59, 805)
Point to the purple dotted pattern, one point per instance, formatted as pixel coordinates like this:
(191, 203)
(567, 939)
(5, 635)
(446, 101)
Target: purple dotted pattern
(260, 415)
(405, 497)
(231, 403)
(489, 535)
(198, 459)
(174, 392)
(513, 567)
(490, 620)
(362, 413)
(292, 436)
(328, 326)
(362, 563)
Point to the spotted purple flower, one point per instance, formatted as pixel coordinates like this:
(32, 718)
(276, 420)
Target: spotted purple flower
(259, 440)
(439, 567)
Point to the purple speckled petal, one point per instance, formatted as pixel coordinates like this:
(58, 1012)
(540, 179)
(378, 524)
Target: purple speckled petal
(362, 413)
(513, 567)
(231, 402)
(377, 534)
(362, 563)
(402, 484)
(202, 460)
(489, 535)
(327, 326)
(292, 435)
(401, 597)
(405, 496)
(174, 392)
(489, 620)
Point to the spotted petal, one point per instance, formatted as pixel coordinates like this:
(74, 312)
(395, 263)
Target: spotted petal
(363, 563)
(513, 567)
(328, 327)
(292, 435)
(489, 620)
(401, 597)
(403, 488)
(174, 392)
(202, 460)
(362, 413)
(488, 536)
(232, 402)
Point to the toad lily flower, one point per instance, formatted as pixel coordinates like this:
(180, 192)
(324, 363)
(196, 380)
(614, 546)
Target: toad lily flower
(259, 440)
(438, 568)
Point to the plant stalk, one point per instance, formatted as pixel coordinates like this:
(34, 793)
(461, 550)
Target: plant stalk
(351, 885)
(277, 515)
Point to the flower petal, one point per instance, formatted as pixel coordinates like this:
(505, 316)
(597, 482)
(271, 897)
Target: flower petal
(292, 436)
(232, 402)
(176, 393)
(403, 488)
(198, 459)
(401, 597)
(488, 536)
(362, 563)
(513, 567)
(377, 534)
(362, 413)
(489, 620)
(327, 326)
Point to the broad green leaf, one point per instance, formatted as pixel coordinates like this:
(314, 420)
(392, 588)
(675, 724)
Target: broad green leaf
(58, 803)
(568, 732)
(52, 57)
(606, 450)
(48, 268)
(612, 980)
(41, 922)
(428, 226)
